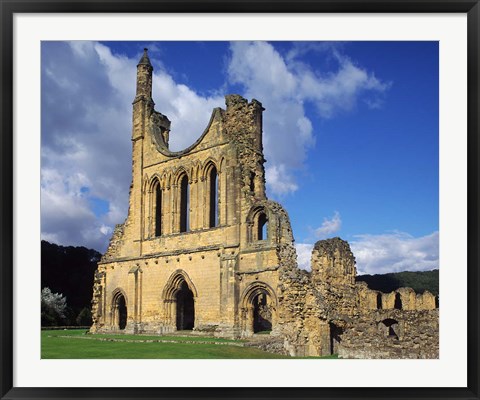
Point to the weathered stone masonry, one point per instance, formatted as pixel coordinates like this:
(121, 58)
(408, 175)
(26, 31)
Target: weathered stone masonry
(326, 312)
(203, 249)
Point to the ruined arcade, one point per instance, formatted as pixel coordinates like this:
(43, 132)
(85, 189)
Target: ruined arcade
(203, 249)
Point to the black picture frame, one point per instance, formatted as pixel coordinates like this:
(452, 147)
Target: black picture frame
(7, 202)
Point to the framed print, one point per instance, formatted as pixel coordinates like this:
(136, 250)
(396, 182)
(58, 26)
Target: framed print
(185, 120)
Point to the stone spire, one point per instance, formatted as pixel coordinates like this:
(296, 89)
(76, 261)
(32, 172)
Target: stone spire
(145, 60)
(144, 78)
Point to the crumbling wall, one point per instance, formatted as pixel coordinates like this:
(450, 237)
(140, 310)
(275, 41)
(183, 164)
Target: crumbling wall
(243, 125)
(392, 334)
(401, 299)
(97, 299)
(301, 321)
(326, 311)
(115, 242)
(333, 262)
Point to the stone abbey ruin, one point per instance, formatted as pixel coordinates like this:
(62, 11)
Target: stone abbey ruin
(203, 249)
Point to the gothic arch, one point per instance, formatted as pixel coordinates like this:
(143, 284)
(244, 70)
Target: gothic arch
(207, 165)
(119, 309)
(258, 308)
(174, 282)
(153, 180)
(178, 175)
(254, 211)
(210, 178)
(119, 292)
(179, 296)
(258, 221)
(254, 289)
(156, 206)
(184, 203)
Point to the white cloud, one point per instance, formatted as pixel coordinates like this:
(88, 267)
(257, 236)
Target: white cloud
(259, 67)
(66, 215)
(394, 252)
(300, 49)
(304, 255)
(389, 252)
(105, 230)
(340, 90)
(284, 85)
(329, 226)
(280, 180)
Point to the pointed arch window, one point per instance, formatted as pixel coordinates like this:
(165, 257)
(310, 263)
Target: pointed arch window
(212, 197)
(158, 209)
(184, 204)
(262, 227)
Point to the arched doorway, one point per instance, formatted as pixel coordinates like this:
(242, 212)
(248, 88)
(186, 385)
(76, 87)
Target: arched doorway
(119, 313)
(262, 314)
(122, 312)
(185, 308)
(179, 296)
(258, 309)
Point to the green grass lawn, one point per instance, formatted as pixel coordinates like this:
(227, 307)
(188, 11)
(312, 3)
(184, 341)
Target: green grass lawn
(79, 345)
(178, 338)
(76, 344)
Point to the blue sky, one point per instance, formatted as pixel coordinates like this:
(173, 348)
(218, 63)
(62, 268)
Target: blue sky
(350, 136)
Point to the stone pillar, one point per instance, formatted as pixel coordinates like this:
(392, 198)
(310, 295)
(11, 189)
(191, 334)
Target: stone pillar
(174, 209)
(167, 210)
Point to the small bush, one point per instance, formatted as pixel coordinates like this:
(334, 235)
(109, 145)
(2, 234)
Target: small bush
(84, 317)
(53, 308)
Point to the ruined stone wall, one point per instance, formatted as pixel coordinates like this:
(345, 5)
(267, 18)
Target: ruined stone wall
(403, 298)
(392, 334)
(325, 311)
(333, 263)
(303, 309)
(348, 318)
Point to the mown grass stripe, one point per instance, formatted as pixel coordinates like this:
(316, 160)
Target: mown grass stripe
(109, 339)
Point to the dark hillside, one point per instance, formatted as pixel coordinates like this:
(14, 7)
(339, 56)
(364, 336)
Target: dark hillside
(69, 271)
(418, 281)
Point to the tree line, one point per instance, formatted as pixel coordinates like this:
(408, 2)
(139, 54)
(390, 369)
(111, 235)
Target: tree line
(418, 281)
(67, 284)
